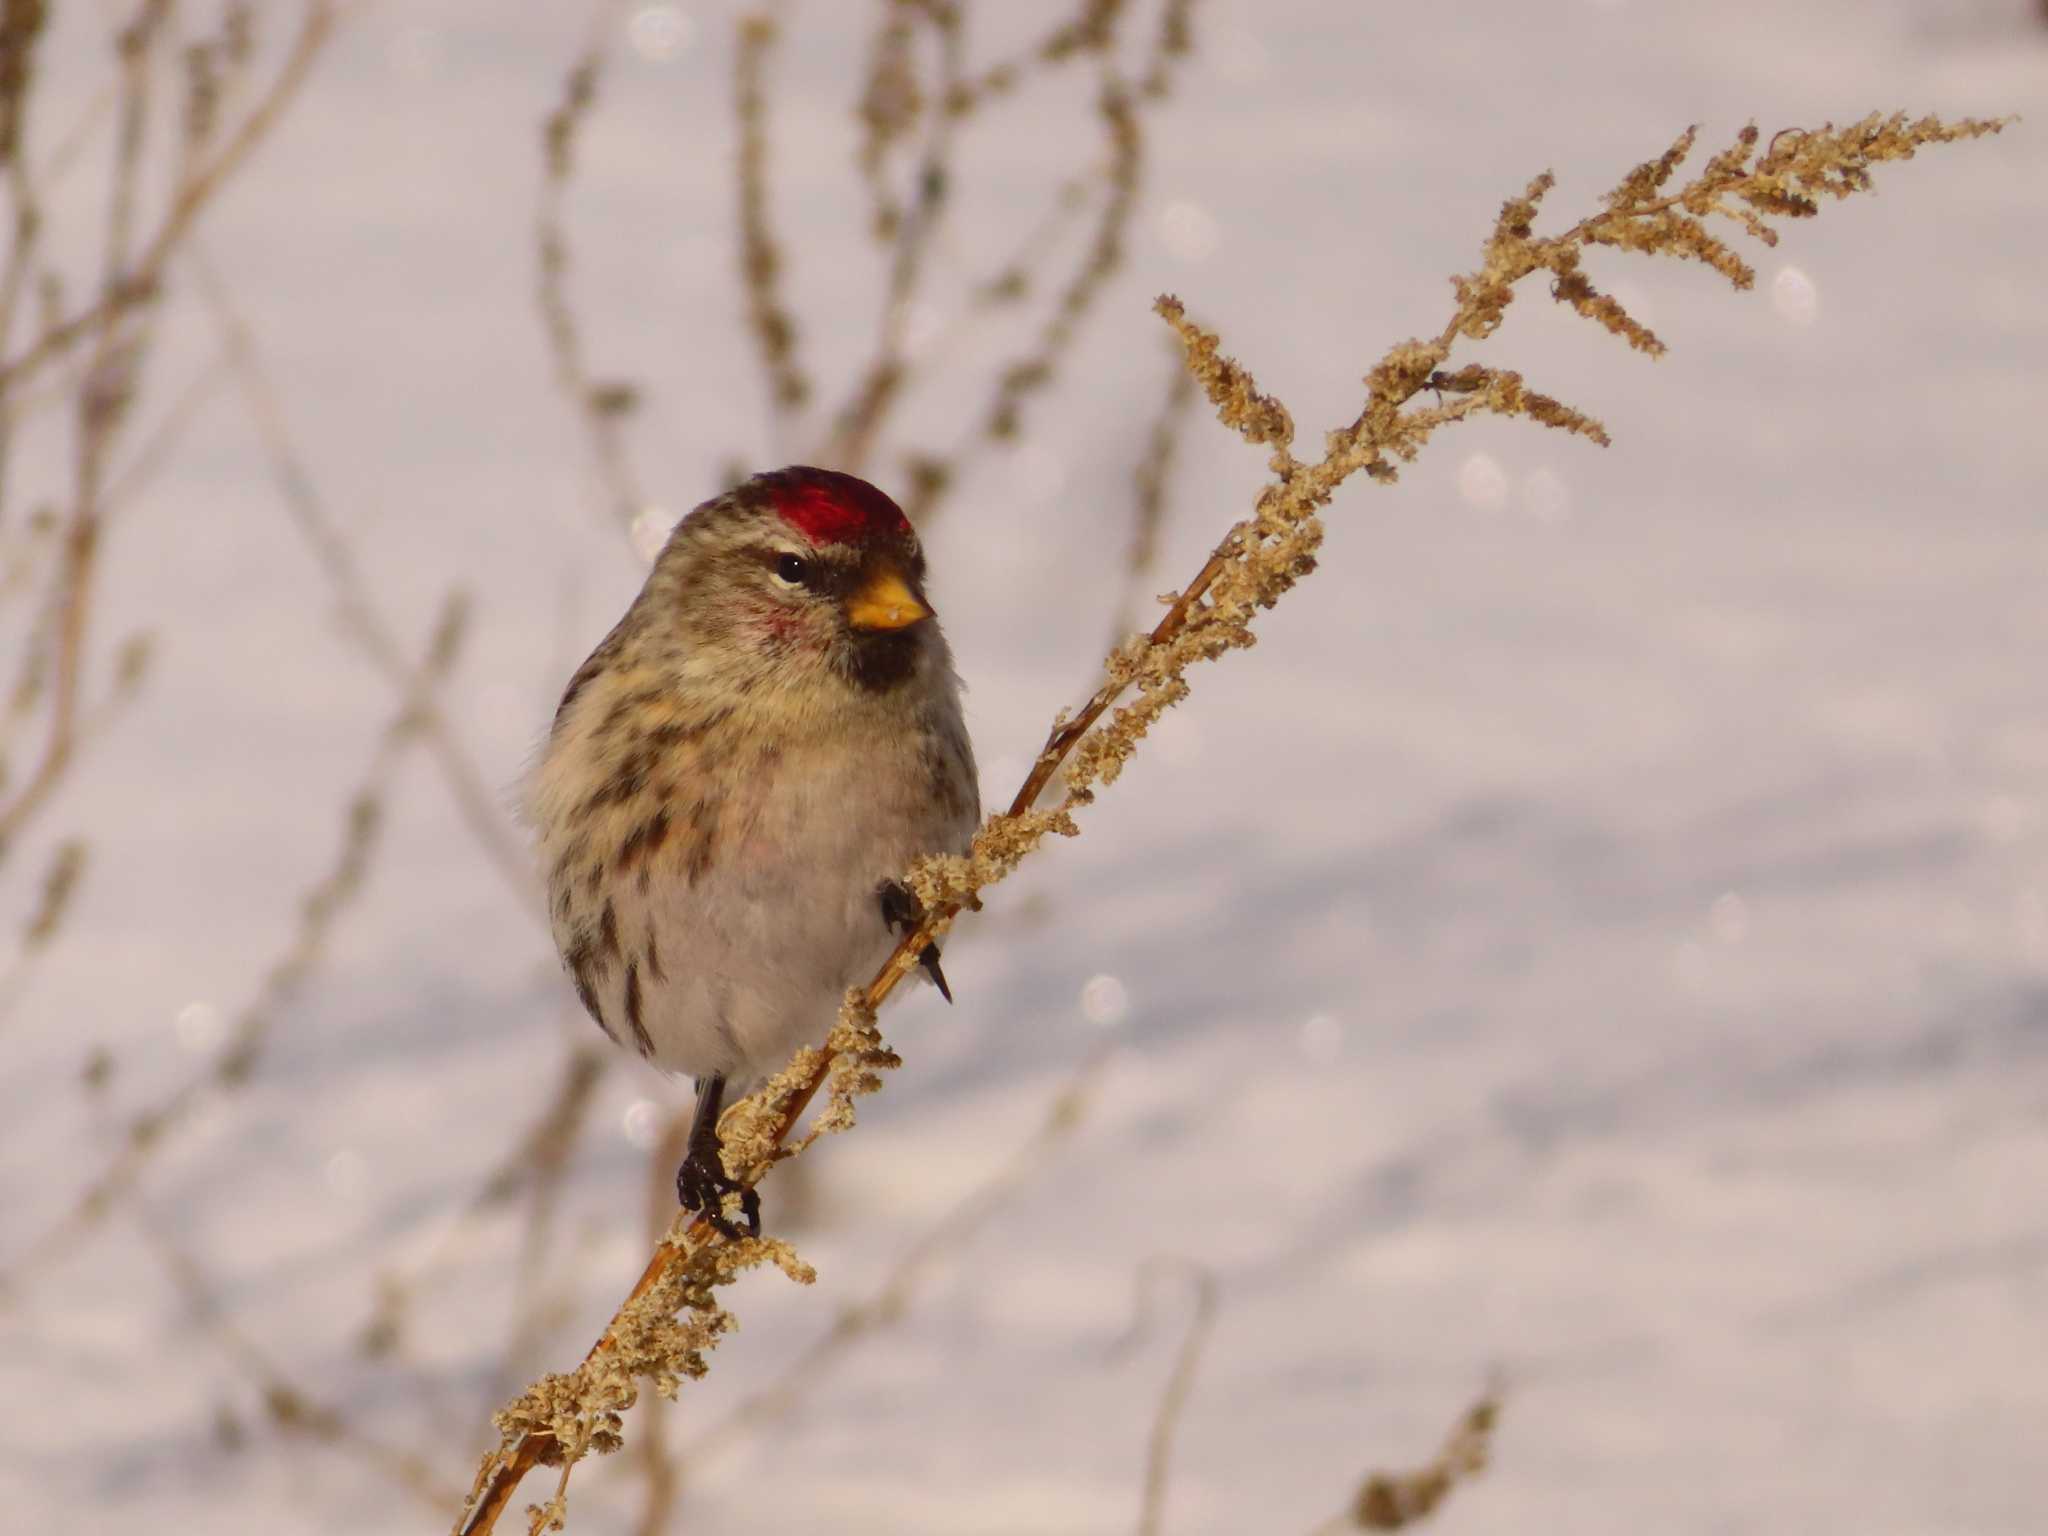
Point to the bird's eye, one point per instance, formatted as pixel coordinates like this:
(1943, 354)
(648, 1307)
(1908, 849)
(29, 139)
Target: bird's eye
(792, 569)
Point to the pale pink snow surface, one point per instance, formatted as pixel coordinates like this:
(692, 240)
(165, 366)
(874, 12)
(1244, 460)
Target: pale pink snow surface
(1599, 936)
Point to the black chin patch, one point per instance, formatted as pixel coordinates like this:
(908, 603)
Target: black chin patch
(878, 660)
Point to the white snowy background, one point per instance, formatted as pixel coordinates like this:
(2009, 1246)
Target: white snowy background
(1597, 940)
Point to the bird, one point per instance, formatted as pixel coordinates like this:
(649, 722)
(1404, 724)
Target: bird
(735, 781)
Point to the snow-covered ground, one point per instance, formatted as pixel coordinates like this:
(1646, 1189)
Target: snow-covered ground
(1600, 936)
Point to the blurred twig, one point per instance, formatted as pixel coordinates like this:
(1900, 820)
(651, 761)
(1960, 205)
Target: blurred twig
(1387, 1501)
(155, 451)
(536, 1163)
(1148, 508)
(540, 1164)
(116, 323)
(140, 279)
(891, 101)
(290, 1407)
(1091, 30)
(858, 421)
(21, 27)
(1180, 1385)
(150, 1130)
(768, 316)
(1104, 256)
(887, 1303)
(476, 803)
(1120, 179)
(53, 904)
(601, 408)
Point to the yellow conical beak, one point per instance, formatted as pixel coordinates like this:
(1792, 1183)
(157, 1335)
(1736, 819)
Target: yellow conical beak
(884, 601)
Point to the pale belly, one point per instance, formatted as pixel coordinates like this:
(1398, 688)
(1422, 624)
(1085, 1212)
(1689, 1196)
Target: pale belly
(757, 950)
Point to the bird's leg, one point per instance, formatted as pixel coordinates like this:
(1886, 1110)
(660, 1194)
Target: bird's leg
(902, 911)
(702, 1182)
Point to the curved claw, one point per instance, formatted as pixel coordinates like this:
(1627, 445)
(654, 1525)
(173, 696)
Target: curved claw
(902, 911)
(702, 1185)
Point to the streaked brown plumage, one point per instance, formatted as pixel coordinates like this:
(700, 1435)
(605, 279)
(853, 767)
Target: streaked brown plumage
(764, 741)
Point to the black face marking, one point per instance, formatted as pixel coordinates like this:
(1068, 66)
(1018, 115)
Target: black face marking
(828, 572)
(640, 1036)
(608, 932)
(879, 660)
(654, 969)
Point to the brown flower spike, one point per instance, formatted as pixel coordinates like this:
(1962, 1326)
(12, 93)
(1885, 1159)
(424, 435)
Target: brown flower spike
(1256, 563)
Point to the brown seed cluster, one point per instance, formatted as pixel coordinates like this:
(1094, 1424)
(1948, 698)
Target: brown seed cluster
(1258, 560)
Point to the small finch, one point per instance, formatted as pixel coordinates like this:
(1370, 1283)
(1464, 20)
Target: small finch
(736, 777)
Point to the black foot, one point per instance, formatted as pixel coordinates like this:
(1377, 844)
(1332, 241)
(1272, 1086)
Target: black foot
(702, 1185)
(902, 911)
(702, 1182)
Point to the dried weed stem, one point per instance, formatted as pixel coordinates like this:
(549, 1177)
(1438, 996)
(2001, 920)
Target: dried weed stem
(61, 877)
(117, 323)
(1387, 1501)
(1173, 1399)
(1093, 34)
(289, 1407)
(601, 407)
(768, 314)
(537, 1163)
(888, 1302)
(1148, 502)
(860, 419)
(1256, 563)
(149, 1130)
(478, 805)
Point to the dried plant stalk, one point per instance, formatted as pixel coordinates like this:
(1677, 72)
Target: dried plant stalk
(890, 104)
(1388, 1501)
(891, 1298)
(881, 382)
(292, 1409)
(1148, 510)
(478, 805)
(602, 408)
(325, 901)
(116, 323)
(931, 476)
(1256, 563)
(1173, 1401)
(768, 314)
